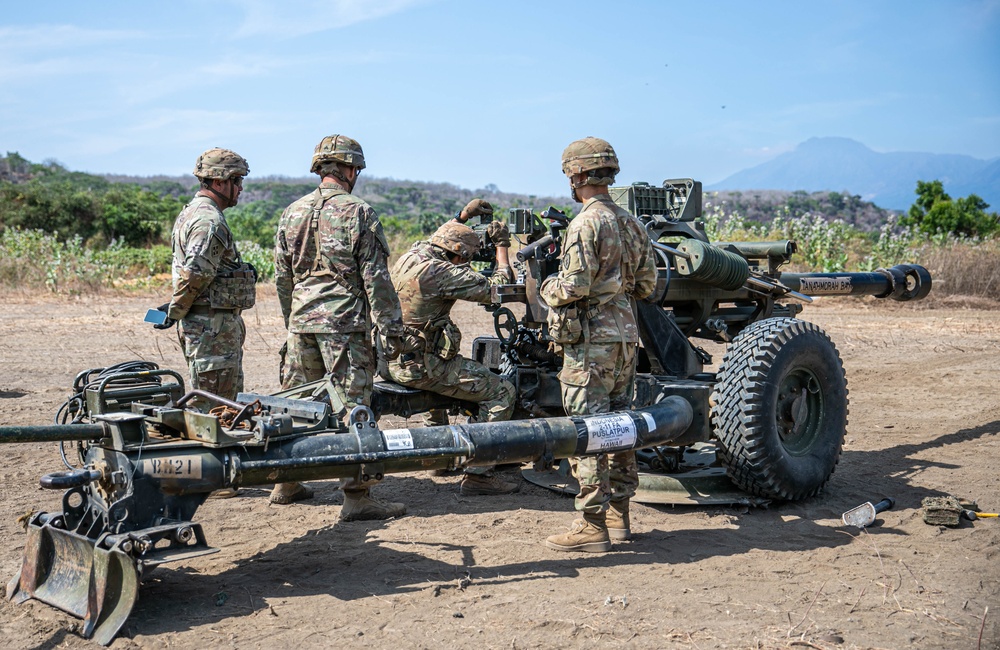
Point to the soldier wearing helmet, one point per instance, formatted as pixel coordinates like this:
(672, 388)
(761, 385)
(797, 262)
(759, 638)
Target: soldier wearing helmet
(607, 263)
(211, 283)
(429, 279)
(332, 275)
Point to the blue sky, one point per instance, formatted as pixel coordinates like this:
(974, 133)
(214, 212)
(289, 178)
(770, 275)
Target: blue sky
(474, 93)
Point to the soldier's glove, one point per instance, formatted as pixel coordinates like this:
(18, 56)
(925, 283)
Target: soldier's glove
(412, 341)
(169, 322)
(405, 343)
(477, 207)
(499, 234)
(392, 347)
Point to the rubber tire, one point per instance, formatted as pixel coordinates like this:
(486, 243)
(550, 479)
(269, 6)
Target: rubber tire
(769, 363)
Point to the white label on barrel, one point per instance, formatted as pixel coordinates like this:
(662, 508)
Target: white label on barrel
(185, 467)
(650, 422)
(610, 432)
(398, 439)
(821, 286)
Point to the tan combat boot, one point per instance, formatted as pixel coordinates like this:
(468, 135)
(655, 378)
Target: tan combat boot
(361, 506)
(619, 525)
(285, 493)
(589, 535)
(479, 485)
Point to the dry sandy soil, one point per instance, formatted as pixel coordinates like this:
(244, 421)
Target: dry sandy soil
(472, 572)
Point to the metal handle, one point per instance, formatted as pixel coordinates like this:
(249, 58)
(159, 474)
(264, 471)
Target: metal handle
(529, 250)
(74, 478)
(884, 504)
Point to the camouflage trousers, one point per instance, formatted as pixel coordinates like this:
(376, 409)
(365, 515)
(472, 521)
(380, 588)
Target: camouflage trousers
(598, 378)
(463, 379)
(212, 342)
(347, 360)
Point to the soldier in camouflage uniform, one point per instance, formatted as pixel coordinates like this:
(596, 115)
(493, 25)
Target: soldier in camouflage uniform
(607, 263)
(429, 279)
(333, 281)
(211, 284)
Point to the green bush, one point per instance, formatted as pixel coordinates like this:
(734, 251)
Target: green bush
(262, 258)
(822, 244)
(890, 246)
(256, 222)
(154, 260)
(935, 213)
(135, 216)
(56, 208)
(34, 258)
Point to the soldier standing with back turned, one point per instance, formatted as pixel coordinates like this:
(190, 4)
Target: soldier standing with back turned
(332, 277)
(607, 263)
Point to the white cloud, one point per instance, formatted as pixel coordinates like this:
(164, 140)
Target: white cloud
(59, 37)
(297, 17)
(175, 75)
(13, 69)
(30, 53)
(195, 125)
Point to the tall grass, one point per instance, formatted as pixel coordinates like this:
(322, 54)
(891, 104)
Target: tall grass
(959, 266)
(34, 259)
(964, 267)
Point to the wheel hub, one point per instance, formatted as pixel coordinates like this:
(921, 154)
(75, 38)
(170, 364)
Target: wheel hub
(799, 410)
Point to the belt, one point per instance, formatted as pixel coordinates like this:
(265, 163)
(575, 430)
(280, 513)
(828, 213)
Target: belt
(208, 310)
(588, 310)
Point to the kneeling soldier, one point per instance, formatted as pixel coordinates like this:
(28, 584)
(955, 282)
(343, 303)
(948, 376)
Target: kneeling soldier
(429, 278)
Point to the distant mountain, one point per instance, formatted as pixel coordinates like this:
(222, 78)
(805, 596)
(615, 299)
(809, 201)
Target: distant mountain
(886, 179)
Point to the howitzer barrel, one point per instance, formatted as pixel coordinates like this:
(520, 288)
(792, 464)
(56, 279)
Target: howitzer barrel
(759, 249)
(902, 282)
(530, 250)
(479, 444)
(373, 452)
(52, 433)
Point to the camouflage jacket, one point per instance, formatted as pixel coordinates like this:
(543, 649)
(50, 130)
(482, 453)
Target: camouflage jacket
(203, 247)
(607, 259)
(331, 266)
(428, 285)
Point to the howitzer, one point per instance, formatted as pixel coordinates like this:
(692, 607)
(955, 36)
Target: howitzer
(147, 461)
(773, 414)
(520, 221)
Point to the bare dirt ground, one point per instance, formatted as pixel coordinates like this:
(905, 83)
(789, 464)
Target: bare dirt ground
(472, 572)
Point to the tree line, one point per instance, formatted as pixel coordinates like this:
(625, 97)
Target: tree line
(139, 211)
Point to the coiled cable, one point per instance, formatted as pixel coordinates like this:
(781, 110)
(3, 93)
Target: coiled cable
(74, 411)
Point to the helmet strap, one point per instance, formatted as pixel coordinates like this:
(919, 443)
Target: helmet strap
(221, 200)
(339, 175)
(233, 194)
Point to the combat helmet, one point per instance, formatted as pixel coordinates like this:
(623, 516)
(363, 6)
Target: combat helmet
(587, 155)
(221, 164)
(456, 238)
(337, 148)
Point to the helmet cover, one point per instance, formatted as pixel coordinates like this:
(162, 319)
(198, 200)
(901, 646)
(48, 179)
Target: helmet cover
(340, 149)
(456, 238)
(221, 164)
(588, 154)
